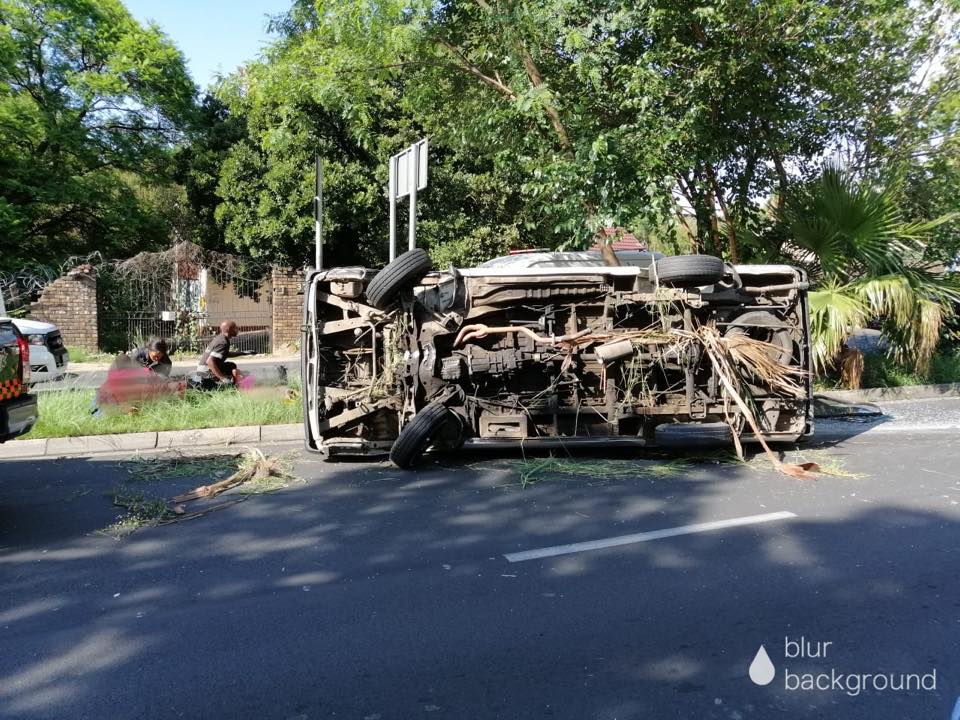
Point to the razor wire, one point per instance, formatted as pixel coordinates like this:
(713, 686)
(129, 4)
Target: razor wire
(148, 281)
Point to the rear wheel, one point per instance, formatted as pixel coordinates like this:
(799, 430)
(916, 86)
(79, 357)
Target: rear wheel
(764, 326)
(687, 270)
(418, 434)
(404, 271)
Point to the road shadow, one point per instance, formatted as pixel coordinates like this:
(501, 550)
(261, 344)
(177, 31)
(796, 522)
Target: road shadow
(372, 592)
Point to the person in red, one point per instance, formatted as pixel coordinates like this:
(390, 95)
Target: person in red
(214, 367)
(136, 377)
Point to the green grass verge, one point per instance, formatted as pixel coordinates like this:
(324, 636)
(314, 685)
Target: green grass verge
(68, 413)
(79, 355)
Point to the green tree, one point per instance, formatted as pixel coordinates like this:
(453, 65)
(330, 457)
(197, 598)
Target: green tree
(548, 120)
(926, 167)
(199, 163)
(265, 183)
(87, 96)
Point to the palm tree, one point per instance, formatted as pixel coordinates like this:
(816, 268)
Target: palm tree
(865, 262)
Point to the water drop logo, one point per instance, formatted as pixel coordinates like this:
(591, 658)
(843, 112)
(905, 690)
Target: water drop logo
(762, 671)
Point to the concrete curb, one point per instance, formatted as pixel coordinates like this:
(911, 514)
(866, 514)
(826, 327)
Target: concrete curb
(164, 440)
(907, 392)
(836, 432)
(824, 407)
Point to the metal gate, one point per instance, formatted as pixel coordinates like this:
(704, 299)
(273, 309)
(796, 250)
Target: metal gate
(183, 295)
(190, 331)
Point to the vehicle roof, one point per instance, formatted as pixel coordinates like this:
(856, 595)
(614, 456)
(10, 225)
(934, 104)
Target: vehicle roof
(586, 262)
(577, 258)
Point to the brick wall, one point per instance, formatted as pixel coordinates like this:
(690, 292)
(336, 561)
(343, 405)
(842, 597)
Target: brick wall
(70, 303)
(287, 307)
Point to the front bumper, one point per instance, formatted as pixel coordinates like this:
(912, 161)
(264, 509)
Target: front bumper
(47, 365)
(17, 416)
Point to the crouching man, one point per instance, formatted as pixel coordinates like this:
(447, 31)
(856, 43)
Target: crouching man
(214, 368)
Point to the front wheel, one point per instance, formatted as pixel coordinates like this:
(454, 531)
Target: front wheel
(418, 434)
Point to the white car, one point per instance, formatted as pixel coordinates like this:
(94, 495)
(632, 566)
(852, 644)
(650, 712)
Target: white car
(48, 357)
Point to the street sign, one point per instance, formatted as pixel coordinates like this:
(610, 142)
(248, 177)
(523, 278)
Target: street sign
(415, 154)
(408, 174)
(318, 213)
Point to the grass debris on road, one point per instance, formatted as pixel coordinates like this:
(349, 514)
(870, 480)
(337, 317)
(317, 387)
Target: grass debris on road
(69, 413)
(181, 465)
(830, 463)
(533, 471)
(256, 473)
(600, 471)
(140, 510)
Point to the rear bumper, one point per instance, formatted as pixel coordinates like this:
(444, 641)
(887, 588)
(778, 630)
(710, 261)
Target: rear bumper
(17, 416)
(669, 436)
(694, 436)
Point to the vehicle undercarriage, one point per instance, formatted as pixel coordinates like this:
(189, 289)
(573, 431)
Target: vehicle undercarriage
(570, 351)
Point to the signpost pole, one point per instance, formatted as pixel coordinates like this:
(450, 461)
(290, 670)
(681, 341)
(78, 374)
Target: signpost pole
(414, 166)
(392, 191)
(318, 214)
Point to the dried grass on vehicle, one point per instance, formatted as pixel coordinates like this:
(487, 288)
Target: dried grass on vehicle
(727, 363)
(734, 359)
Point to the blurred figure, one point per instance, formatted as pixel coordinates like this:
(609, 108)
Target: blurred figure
(154, 357)
(129, 384)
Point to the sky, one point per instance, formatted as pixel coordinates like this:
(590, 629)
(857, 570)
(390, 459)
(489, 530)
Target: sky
(214, 35)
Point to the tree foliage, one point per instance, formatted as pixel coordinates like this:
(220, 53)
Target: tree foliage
(867, 263)
(580, 113)
(693, 124)
(89, 100)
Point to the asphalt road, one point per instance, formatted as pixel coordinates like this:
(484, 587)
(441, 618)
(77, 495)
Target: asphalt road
(371, 593)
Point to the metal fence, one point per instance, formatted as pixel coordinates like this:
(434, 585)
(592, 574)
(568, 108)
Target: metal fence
(188, 332)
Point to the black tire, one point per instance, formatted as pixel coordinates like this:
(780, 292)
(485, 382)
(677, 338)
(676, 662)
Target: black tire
(403, 272)
(686, 270)
(417, 435)
(764, 326)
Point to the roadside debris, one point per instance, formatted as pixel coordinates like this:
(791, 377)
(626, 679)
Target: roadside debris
(600, 471)
(140, 510)
(533, 471)
(731, 357)
(178, 464)
(253, 473)
(261, 473)
(828, 463)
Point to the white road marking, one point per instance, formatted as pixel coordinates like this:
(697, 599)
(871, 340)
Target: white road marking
(645, 536)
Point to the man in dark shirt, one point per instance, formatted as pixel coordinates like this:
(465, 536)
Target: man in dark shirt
(213, 362)
(154, 357)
